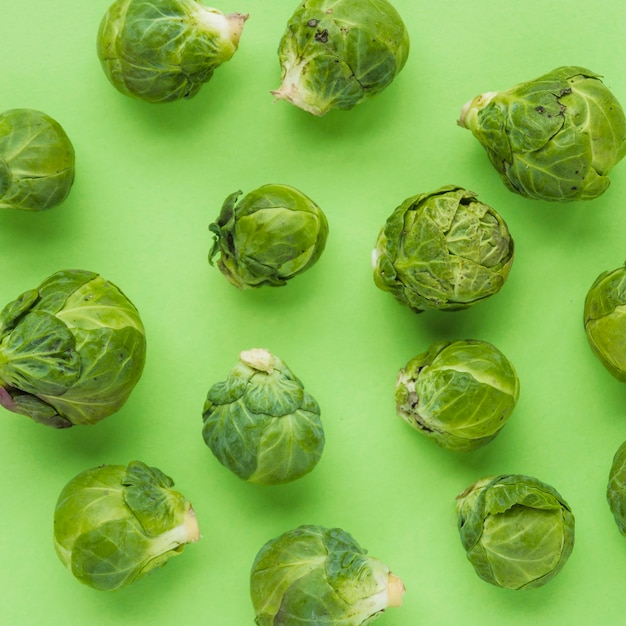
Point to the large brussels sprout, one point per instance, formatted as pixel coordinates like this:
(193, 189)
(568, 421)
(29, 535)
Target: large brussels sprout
(114, 524)
(517, 531)
(165, 50)
(605, 320)
(321, 576)
(553, 138)
(36, 161)
(71, 350)
(272, 234)
(459, 393)
(337, 53)
(443, 250)
(261, 423)
(616, 488)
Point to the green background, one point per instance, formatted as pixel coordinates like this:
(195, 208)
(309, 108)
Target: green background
(150, 178)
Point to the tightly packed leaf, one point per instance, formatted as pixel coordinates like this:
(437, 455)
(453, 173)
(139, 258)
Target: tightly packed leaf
(114, 524)
(443, 250)
(605, 320)
(338, 53)
(261, 423)
(267, 237)
(321, 576)
(37, 163)
(616, 488)
(71, 350)
(459, 393)
(165, 50)
(553, 138)
(518, 532)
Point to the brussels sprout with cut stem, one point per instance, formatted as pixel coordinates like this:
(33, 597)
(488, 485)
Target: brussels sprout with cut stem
(321, 576)
(554, 138)
(267, 237)
(518, 532)
(165, 50)
(443, 250)
(37, 162)
(261, 423)
(115, 524)
(338, 53)
(605, 320)
(71, 350)
(459, 393)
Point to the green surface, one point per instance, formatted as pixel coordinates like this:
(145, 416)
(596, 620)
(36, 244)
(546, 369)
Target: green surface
(149, 180)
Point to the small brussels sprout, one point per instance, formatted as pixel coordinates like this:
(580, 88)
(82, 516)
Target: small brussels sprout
(321, 576)
(338, 54)
(71, 350)
(553, 138)
(459, 393)
(517, 531)
(442, 250)
(115, 524)
(36, 161)
(616, 488)
(260, 422)
(605, 320)
(269, 236)
(165, 50)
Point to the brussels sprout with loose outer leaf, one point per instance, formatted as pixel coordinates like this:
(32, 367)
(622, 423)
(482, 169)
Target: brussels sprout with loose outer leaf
(553, 138)
(37, 163)
(459, 393)
(272, 234)
(338, 53)
(321, 576)
(71, 350)
(115, 524)
(165, 50)
(443, 250)
(616, 488)
(261, 423)
(605, 320)
(517, 531)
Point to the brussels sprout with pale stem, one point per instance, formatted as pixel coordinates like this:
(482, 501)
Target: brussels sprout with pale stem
(321, 576)
(554, 138)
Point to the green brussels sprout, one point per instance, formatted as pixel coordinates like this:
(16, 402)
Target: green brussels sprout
(36, 161)
(605, 322)
(321, 576)
(616, 488)
(165, 50)
(114, 524)
(336, 54)
(553, 138)
(442, 250)
(517, 531)
(71, 350)
(459, 393)
(260, 422)
(269, 236)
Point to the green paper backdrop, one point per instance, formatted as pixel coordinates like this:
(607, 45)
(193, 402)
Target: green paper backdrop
(150, 178)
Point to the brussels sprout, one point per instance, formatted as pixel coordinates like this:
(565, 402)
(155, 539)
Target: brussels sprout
(115, 524)
(71, 350)
(605, 320)
(321, 576)
(165, 50)
(616, 488)
(337, 53)
(459, 393)
(269, 236)
(517, 531)
(442, 250)
(36, 161)
(553, 138)
(260, 422)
